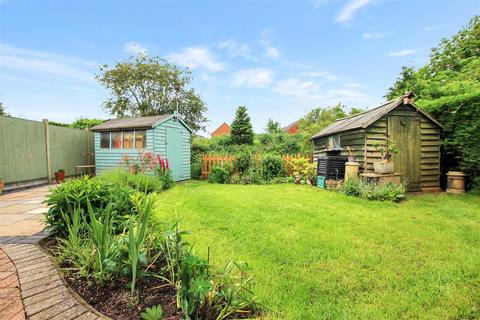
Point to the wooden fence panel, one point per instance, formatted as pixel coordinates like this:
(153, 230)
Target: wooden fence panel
(23, 150)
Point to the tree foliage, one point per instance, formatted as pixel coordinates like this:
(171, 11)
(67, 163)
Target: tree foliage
(2, 110)
(273, 126)
(318, 118)
(146, 86)
(242, 131)
(84, 123)
(448, 87)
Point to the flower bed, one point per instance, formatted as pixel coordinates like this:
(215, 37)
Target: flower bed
(129, 267)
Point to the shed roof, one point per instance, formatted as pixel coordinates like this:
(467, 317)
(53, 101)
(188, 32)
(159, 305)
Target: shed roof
(366, 118)
(135, 123)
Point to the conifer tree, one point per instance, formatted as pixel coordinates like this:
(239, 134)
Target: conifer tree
(242, 131)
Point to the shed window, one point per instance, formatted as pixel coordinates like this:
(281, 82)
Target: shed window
(140, 139)
(128, 139)
(333, 143)
(123, 139)
(105, 140)
(117, 140)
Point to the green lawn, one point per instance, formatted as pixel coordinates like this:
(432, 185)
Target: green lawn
(321, 255)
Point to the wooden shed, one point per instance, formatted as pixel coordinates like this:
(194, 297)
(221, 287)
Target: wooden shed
(414, 131)
(166, 135)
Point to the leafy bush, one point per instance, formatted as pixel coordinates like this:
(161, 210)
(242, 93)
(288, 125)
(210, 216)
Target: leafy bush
(219, 175)
(244, 161)
(75, 193)
(372, 191)
(303, 168)
(272, 166)
(140, 182)
(165, 177)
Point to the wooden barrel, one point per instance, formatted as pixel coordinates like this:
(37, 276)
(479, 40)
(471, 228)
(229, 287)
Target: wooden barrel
(455, 182)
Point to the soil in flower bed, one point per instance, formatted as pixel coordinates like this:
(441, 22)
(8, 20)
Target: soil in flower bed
(113, 298)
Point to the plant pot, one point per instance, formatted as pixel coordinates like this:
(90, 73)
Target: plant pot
(384, 167)
(2, 185)
(133, 169)
(59, 177)
(455, 182)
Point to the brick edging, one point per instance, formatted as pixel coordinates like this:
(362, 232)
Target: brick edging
(11, 306)
(42, 289)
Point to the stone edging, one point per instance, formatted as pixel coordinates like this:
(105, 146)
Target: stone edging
(43, 291)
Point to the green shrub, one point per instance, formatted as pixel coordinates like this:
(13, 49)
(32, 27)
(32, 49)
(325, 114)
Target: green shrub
(74, 193)
(244, 161)
(372, 191)
(272, 166)
(165, 177)
(196, 167)
(219, 175)
(140, 181)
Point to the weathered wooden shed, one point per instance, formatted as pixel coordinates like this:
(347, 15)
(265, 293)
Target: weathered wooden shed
(166, 135)
(415, 132)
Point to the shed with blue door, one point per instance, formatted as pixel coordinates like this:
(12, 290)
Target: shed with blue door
(166, 135)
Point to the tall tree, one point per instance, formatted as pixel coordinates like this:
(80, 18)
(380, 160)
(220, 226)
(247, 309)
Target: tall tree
(273, 126)
(146, 86)
(242, 130)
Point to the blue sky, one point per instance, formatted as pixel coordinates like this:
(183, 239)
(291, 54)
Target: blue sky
(279, 58)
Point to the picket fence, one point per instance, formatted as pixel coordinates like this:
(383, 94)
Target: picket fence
(210, 161)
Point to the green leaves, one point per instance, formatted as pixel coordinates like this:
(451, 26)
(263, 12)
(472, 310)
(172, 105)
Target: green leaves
(145, 86)
(137, 231)
(153, 313)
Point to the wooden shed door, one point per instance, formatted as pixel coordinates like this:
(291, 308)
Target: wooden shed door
(174, 152)
(404, 131)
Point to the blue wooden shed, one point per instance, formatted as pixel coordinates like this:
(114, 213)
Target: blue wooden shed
(166, 135)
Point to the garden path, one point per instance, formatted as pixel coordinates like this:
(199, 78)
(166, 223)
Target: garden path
(21, 215)
(32, 288)
(30, 284)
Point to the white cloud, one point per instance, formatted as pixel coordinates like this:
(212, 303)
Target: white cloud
(47, 64)
(197, 58)
(238, 49)
(134, 48)
(257, 78)
(371, 35)
(350, 8)
(402, 53)
(272, 52)
(319, 74)
(297, 88)
(427, 29)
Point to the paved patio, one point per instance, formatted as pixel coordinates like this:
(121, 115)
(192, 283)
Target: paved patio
(30, 285)
(21, 215)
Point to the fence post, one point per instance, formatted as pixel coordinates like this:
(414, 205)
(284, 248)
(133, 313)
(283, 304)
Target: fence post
(47, 151)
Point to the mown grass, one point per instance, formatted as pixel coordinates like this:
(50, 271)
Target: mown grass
(322, 255)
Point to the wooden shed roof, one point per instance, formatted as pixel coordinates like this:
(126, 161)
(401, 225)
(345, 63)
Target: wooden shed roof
(366, 118)
(135, 123)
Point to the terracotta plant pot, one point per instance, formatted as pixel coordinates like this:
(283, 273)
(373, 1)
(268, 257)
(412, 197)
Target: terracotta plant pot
(59, 176)
(2, 185)
(383, 167)
(455, 182)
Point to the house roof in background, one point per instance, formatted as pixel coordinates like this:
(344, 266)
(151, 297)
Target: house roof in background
(133, 123)
(224, 128)
(291, 125)
(366, 118)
